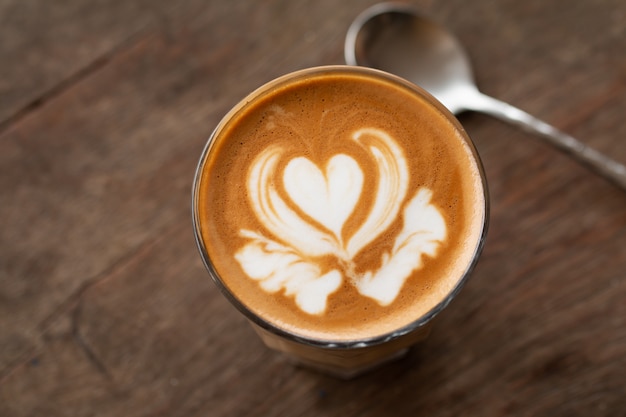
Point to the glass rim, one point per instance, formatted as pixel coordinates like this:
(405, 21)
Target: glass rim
(410, 327)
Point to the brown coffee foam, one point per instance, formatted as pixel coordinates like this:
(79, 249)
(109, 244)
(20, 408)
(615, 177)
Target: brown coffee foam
(336, 105)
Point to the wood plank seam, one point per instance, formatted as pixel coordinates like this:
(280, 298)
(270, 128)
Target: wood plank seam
(92, 68)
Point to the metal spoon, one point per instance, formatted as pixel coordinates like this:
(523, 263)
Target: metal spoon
(394, 38)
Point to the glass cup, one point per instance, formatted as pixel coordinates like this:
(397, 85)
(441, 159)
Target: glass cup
(350, 357)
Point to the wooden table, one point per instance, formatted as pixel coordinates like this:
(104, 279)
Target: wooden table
(105, 307)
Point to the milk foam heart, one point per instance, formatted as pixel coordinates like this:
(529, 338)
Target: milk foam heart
(328, 197)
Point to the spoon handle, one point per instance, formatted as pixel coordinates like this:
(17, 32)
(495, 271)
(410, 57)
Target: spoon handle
(600, 163)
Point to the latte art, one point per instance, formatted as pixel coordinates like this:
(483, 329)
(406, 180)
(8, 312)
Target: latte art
(288, 259)
(339, 204)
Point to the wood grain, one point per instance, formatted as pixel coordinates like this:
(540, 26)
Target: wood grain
(105, 308)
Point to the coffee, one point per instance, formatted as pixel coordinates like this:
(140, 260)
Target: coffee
(339, 204)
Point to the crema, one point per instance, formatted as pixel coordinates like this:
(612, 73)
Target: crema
(339, 205)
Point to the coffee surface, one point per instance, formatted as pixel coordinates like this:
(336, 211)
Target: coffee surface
(339, 206)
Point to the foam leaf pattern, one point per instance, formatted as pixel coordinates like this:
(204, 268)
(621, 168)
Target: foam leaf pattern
(423, 231)
(277, 267)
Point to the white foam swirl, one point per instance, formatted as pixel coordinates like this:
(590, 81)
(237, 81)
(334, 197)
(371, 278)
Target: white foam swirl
(393, 178)
(276, 216)
(423, 231)
(329, 197)
(278, 267)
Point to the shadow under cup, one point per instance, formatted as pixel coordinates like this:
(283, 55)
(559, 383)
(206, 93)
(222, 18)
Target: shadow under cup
(340, 353)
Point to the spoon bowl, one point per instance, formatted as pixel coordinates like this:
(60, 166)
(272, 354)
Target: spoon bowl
(395, 38)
